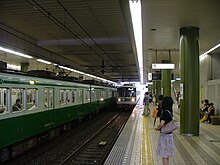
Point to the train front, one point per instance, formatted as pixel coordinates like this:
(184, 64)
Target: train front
(126, 97)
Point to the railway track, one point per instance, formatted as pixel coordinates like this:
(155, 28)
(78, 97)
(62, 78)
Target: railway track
(74, 143)
(96, 148)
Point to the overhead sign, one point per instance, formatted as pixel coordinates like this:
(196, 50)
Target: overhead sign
(157, 76)
(163, 66)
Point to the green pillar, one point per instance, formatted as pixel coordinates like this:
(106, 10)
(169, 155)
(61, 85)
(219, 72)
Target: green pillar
(157, 89)
(166, 82)
(24, 66)
(189, 85)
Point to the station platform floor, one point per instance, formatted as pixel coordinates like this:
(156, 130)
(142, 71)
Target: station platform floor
(137, 143)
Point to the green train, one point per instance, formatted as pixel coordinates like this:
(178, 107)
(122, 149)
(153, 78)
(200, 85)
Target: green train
(45, 108)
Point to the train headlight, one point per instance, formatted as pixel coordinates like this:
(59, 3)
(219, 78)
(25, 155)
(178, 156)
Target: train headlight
(101, 99)
(133, 99)
(119, 99)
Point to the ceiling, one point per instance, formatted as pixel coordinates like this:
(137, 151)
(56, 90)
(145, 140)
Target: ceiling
(96, 36)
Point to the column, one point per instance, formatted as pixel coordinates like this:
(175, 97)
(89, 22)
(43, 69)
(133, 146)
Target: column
(166, 82)
(189, 85)
(157, 89)
(24, 66)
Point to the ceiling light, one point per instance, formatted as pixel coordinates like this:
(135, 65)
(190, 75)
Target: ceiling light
(204, 54)
(135, 8)
(89, 75)
(15, 53)
(44, 61)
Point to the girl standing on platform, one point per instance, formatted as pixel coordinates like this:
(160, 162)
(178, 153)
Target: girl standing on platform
(165, 147)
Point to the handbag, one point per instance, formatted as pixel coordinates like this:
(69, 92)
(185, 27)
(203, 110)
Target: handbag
(169, 127)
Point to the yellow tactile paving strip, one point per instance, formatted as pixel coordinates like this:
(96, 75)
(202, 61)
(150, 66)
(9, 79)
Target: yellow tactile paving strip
(146, 153)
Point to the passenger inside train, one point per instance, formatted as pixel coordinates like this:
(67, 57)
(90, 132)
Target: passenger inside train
(17, 105)
(33, 107)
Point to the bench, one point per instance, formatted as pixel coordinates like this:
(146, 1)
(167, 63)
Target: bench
(215, 120)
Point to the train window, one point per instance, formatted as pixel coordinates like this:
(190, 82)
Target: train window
(93, 95)
(73, 96)
(3, 107)
(51, 97)
(17, 99)
(102, 94)
(62, 96)
(68, 96)
(32, 99)
(87, 96)
(48, 97)
(80, 96)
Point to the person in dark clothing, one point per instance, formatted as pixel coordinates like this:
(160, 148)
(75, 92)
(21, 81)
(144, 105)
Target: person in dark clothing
(204, 108)
(17, 106)
(211, 112)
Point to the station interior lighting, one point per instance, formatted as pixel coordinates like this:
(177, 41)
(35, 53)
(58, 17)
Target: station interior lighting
(15, 52)
(15, 67)
(86, 74)
(204, 54)
(44, 61)
(135, 9)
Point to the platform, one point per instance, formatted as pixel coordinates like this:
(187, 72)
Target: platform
(138, 142)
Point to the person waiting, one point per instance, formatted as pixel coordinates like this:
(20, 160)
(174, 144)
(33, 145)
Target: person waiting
(17, 105)
(204, 108)
(211, 112)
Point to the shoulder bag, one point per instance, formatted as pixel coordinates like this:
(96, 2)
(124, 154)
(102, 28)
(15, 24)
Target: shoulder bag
(169, 127)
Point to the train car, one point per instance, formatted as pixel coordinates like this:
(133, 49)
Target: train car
(126, 97)
(47, 108)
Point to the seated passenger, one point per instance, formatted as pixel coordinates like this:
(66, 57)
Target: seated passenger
(211, 112)
(33, 107)
(17, 106)
(204, 108)
(2, 110)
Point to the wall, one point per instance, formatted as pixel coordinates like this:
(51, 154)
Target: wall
(210, 79)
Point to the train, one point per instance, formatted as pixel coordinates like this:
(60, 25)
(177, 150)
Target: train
(58, 105)
(126, 97)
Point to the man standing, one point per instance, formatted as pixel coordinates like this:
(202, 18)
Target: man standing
(146, 104)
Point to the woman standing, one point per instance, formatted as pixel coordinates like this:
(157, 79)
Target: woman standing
(165, 147)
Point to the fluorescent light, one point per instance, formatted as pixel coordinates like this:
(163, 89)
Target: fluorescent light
(15, 67)
(149, 83)
(15, 53)
(89, 75)
(205, 54)
(163, 66)
(32, 82)
(135, 8)
(70, 69)
(215, 47)
(44, 61)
